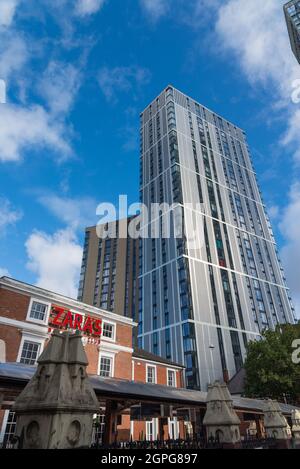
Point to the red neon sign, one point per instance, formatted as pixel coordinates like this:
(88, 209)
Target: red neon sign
(62, 318)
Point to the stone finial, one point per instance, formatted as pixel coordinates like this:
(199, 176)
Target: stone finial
(55, 410)
(275, 423)
(221, 420)
(296, 424)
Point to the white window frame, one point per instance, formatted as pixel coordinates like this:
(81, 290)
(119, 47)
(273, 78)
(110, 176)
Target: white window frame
(31, 338)
(38, 321)
(174, 423)
(4, 423)
(113, 338)
(148, 365)
(154, 423)
(107, 355)
(174, 372)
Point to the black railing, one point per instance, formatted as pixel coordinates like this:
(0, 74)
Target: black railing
(195, 443)
(13, 442)
(179, 444)
(259, 443)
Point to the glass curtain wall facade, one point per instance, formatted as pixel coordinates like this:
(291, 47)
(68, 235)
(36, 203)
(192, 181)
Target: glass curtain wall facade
(204, 295)
(292, 15)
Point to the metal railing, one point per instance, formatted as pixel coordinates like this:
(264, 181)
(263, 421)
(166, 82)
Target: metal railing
(179, 444)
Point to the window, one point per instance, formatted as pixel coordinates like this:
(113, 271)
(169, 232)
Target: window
(151, 374)
(172, 378)
(106, 366)
(174, 429)
(108, 330)
(98, 429)
(151, 433)
(30, 352)
(38, 311)
(10, 427)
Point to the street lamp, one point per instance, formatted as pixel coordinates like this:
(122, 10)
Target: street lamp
(212, 348)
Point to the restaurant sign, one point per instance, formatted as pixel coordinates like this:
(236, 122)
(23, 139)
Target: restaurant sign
(64, 319)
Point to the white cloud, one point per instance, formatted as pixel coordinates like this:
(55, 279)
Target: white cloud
(273, 212)
(290, 253)
(8, 215)
(13, 54)
(257, 35)
(88, 7)
(7, 11)
(4, 272)
(155, 8)
(22, 128)
(35, 126)
(250, 29)
(76, 213)
(56, 261)
(59, 86)
(112, 80)
(292, 135)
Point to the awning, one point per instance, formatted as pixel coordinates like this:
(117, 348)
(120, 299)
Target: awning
(18, 375)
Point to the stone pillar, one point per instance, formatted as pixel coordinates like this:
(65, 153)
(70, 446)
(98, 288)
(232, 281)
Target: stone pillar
(296, 427)
(221, 421)
(276, 425)
(55, 410)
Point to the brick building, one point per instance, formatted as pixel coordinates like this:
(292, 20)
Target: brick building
(28, 315)
(141, 396)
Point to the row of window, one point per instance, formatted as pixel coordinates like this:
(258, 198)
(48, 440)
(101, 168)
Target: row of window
(31, 351)
(151, 376)
(83, 265)
(196, 108)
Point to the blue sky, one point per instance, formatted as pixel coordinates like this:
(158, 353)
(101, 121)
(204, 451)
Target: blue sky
(79, 72)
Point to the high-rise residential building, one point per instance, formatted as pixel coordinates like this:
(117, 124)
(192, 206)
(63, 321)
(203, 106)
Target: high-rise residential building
(205, 294)
(292, 15)
(109, 271)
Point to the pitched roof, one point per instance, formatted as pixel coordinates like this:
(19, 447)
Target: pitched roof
(19, 374)
(143, 355)
(237, 383)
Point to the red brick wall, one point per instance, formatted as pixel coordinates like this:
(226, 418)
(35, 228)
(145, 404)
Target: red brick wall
(123, 365)
(122, 362)
(124, 429)
(12, 338)
(93, 358)
(179, 379)
(139, 431)
(161, 373)
(124, 335)
(13, 305)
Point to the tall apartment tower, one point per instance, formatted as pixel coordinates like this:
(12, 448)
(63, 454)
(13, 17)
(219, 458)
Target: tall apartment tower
(292, 16)
(204, 295)
(110, 267)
